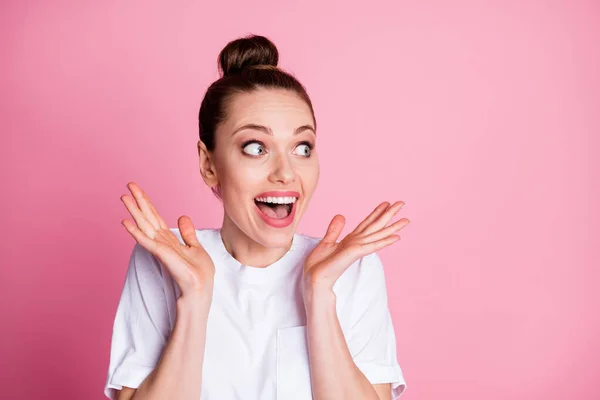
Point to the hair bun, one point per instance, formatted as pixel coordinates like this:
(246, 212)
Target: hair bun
(247, 52)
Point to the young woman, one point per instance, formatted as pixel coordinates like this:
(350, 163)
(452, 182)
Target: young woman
(254, 310)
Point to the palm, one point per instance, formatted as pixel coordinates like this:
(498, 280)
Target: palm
(330, 258)
(320, 253)
(188, 262)
(324, 253)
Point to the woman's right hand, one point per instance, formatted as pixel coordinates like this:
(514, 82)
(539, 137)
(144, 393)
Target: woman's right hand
(189, 264)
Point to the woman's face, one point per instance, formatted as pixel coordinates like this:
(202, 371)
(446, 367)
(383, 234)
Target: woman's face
(266, 164)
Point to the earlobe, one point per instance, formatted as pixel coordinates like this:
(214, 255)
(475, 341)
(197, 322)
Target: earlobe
(207, 168)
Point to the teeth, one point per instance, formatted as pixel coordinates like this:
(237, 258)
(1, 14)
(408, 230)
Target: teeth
(277, 200)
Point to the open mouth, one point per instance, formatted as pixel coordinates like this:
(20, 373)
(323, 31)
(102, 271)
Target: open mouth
(275, 207)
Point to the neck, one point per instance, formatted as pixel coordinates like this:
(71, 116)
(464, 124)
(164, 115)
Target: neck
(246, 250)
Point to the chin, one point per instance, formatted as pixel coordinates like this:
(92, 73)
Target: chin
(277, 238)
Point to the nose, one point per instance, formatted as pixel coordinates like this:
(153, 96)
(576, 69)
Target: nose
(283, 170)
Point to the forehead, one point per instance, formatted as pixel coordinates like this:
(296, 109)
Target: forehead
(278, 109)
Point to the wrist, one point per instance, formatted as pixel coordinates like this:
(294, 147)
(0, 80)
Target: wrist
(316, 294)
(195, 301)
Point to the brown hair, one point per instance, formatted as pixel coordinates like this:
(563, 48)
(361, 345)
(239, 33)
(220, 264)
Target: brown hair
(246, 64)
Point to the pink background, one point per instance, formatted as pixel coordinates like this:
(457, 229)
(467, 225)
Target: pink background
(482, 116)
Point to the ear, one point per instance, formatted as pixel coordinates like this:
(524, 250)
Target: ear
(207, 167)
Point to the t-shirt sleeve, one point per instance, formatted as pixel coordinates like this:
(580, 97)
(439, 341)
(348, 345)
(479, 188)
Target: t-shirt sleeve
(372, 340)
(141, 325)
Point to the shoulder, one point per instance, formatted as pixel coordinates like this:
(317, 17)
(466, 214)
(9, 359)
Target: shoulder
(365, 274)
(306, 242)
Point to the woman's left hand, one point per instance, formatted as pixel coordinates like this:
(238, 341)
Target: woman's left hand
(329, 259)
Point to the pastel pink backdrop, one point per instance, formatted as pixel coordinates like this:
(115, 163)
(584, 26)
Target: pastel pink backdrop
(482, 116)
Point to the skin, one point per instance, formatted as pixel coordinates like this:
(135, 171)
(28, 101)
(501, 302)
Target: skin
(280, 162)
(331, 364)
(241, 177)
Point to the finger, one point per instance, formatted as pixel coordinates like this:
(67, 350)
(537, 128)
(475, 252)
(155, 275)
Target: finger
(171, 259)
(139, 236)
(372, 247)
(188, 232)
(371, 217)
(146, 206)
(387, 231)
(334, 229)
(138, 216)
(160, 219)
(164, 253)
(358, 250)
(383, 218)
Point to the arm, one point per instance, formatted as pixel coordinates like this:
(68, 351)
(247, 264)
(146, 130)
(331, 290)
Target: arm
(341, 367)
(178, 375)
(333, 373)
(146, 352)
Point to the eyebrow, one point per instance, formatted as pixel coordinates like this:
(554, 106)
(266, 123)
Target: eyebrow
(268, 131)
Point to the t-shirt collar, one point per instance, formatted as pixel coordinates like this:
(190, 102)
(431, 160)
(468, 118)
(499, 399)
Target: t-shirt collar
(282, 267)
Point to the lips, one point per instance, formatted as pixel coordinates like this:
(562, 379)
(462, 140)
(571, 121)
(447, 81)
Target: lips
(270, 219)
(279, 194)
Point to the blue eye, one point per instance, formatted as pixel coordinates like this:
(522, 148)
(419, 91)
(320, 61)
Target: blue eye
(253, 148)
(306, 149)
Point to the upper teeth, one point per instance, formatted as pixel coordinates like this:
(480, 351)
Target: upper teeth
(278, 200)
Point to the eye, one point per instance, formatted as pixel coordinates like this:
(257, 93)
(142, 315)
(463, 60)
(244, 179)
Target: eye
(253, 148)
(306, 149)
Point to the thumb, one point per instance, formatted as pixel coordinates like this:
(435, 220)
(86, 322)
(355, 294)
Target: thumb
(188, 231)
(335, 228)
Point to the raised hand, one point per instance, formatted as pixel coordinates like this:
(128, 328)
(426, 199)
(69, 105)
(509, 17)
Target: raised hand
(329, 259)
(189, 264)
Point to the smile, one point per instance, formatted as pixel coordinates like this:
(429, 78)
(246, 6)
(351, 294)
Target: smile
(277, 209)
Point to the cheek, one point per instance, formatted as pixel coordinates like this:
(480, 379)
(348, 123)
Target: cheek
(239, 185)
(309, 174)
(244, 179)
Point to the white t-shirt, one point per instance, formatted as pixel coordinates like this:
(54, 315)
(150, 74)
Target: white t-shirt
(256, 332)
